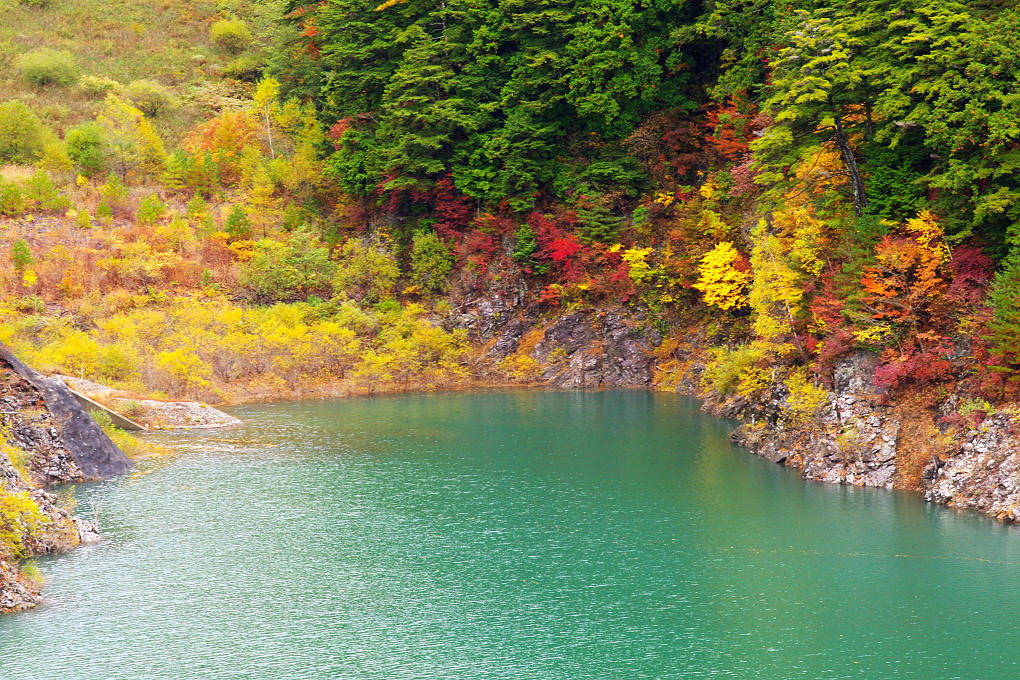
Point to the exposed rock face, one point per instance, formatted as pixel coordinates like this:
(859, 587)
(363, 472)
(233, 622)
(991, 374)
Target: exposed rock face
(984, 473)
(484, 317)
(863, 449)
(17, 593)
(857, 447)
(30, 426)
(592, 348)
(53, 440)
(857, 440)
(484, 313)
(852, 440)
(69, 425)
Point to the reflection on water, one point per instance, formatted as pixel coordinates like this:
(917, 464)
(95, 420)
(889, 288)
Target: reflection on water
(510, 535)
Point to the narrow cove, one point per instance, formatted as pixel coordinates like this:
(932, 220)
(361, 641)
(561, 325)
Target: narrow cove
(511, 534)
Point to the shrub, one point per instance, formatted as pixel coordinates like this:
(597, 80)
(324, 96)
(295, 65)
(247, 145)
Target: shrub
(231, 35)
(237, 224)
(21, 255)
(724, 371)
(151, 209)
(104, 213)
(805, 400)
(367, 272)
(82, 219)
(97, 87)
(54, 158)
(115, 191)
(149, 97)
(49, 67)
(21, 521)
(22, 134)
(431, 261)
(83, 137)
(133, 408)
(42, 194)
(85, 147)
(243, 68)
(284, 271)
(11, 200)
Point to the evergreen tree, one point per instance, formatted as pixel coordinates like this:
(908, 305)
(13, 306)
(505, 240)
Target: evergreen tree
(1004, 329)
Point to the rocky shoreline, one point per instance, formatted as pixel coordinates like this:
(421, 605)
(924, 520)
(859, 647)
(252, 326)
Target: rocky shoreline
(859, 436)
(46, 438)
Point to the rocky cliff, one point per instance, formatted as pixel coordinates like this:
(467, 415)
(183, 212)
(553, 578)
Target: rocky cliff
(861, 435)
(864, 437)
(983, 470)
(852, 439)
(586, 348)
(45, 438)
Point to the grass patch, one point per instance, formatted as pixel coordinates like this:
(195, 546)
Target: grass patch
(133, 447)
(19, 457)
(122, 41)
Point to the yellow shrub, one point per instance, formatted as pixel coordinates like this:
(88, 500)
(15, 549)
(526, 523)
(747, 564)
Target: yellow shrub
(20, 522)
(637, 267)
(805, 399)
(724, 370)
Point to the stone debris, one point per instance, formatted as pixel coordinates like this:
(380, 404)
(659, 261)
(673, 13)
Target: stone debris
(154, 413)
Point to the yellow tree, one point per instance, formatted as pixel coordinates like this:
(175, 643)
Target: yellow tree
(721, 283)
(132, 142)
(785, 255)
(263, 207)
(267, 92)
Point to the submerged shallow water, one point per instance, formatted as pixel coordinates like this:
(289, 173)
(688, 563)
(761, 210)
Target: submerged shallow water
(511, 534)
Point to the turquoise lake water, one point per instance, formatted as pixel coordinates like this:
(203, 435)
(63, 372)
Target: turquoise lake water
(511, 534)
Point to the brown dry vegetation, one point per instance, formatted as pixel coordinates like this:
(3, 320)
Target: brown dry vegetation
(920, 440)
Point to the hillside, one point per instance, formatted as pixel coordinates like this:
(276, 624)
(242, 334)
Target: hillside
(239, 201)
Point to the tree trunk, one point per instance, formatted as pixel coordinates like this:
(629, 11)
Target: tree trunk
(856, 180)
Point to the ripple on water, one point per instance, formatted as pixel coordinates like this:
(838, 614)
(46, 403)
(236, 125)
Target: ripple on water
(510, 535)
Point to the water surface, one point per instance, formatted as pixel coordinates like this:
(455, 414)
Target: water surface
(511, 534)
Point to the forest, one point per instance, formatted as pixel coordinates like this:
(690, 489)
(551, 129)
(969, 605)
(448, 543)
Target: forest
(283, 194)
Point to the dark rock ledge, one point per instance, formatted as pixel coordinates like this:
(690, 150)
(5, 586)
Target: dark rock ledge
(55, 441)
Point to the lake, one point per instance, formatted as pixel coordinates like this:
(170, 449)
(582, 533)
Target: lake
(511, 534)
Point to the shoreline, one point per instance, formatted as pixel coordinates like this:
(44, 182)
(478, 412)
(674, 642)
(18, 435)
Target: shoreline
(857, 437)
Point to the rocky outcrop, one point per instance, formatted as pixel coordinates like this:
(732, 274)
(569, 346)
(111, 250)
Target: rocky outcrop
(852, 439)
(69, 427)
(858, 438)
(983, 472)
(502, 297)
(45, 438)
(587, 348)
(591, 348)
